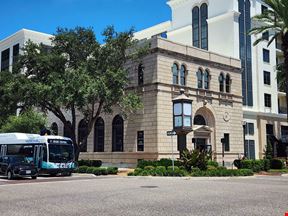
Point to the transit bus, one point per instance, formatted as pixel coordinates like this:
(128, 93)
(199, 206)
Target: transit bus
(50, 154)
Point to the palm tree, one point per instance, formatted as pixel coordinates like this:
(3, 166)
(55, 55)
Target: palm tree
(275, 20)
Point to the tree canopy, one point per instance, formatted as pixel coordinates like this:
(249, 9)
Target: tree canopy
(76, 73)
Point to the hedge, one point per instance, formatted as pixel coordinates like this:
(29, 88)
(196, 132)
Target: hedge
(254, 165)
(277, 164)
(90, 163)
(162, 171)
(163, 162)
(97, 170)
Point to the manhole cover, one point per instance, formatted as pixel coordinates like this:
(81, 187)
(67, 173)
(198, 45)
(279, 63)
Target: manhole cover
(149, 186)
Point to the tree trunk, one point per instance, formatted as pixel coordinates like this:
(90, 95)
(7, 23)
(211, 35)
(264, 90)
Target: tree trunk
(285, 66)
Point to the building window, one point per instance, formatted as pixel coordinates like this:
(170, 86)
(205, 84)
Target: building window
(140, 140)
(54, 128)
(266, 55)
(221, 82)
(175, 74)
(245, 51)
(99, 135)
(200, 78)
(117, 134)
(249, 129)
(249, 149)
(199, 120)
(82, 135)
(228, 83)
(195, 27)
(5, 59)
(183, 75)
(66, 130)
(16, 49)
(265, 35)
(140, 74)
(227, 142)
(204, 26)
(263, 9)
(267, 79)
(267, 100)
(206, 79)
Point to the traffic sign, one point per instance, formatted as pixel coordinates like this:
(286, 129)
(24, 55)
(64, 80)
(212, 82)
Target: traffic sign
(171, 133)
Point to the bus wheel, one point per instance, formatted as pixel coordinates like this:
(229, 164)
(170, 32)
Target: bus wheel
(34, 177)
(10, 175)
(68, 174)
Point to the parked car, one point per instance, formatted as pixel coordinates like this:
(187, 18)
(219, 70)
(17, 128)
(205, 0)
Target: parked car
(17, 166)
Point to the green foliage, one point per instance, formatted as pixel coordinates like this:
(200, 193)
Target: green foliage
(269, 151)
(195, 158)
(90, 163)
(160, 171)
(237, 163)
(212, 163)
(255, 165)
(77, 73)
(162, 162)
(277, 164)
(223, 172)
(90, 170)
(209, 167)
(26, 122)
(112, 170)
(148, 168)
(82, 169)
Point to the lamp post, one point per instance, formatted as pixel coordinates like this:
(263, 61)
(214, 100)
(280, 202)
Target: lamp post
(182, 119)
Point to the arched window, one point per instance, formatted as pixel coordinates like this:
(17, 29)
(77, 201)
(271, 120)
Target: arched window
(82, 133)
(204, 26)
(54, 128)
(228, 83)
(66, 131)
(175, 73)
(195, 27)
(206, 79)
(99, 132)
(200, 78)
(140, 74)
(199, 120)
(221, 82)
(183, 75)
(117, 134)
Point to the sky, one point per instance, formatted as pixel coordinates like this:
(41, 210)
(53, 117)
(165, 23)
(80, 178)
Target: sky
(46, 15)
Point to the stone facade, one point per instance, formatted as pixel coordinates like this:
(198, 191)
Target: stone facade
(221, 111)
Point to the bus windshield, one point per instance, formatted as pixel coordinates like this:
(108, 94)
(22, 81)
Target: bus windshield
(60, 153)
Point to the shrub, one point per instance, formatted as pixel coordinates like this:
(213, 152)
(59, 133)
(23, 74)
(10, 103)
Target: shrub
(90, 163)
(162, 162)
(195, 169)
(237, 163)
(209, 167)
(130, 174)
(160, 171)
(90, 170)
(255, 165)
(112, 170)
(194, 158)
(212, 163)
(223, 172)
(149, 168)
(103, 171)
(269, 151)
(137, 171)
(277, 164)
(82, 169)
(143, 163)
(266, 164)
(97, 171)
(221, 168)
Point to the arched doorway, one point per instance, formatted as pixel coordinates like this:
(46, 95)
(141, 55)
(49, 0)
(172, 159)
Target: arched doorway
(117, 134)
(204, 123)
(82, 132)
(99, 133)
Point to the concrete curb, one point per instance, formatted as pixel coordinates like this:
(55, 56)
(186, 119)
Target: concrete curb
(193, 178)
(284, 175)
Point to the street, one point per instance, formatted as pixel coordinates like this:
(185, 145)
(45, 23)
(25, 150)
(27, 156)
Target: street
(112, 195)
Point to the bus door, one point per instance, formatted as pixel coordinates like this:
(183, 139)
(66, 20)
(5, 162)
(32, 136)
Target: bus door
(37, 155)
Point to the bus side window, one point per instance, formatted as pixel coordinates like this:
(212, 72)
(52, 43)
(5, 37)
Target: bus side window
(45, 153)
(1, 150)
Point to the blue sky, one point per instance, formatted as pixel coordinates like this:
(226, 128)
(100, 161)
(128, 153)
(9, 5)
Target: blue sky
(47, 15)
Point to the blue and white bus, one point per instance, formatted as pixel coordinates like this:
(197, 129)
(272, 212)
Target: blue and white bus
(50, 154)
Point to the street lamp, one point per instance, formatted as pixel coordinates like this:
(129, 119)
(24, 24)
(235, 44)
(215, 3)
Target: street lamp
(182, 118)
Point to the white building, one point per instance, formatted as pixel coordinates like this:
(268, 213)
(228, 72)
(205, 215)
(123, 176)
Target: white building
(221, 26)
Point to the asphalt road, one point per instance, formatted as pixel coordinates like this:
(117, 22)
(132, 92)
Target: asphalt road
(146, 196)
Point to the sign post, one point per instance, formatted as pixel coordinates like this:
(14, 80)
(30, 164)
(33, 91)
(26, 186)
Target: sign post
(171, 134)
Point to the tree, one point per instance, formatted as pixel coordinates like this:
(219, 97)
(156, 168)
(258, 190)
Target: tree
(77, 74)
(275, 20)
(269, 151)
(27, 122)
